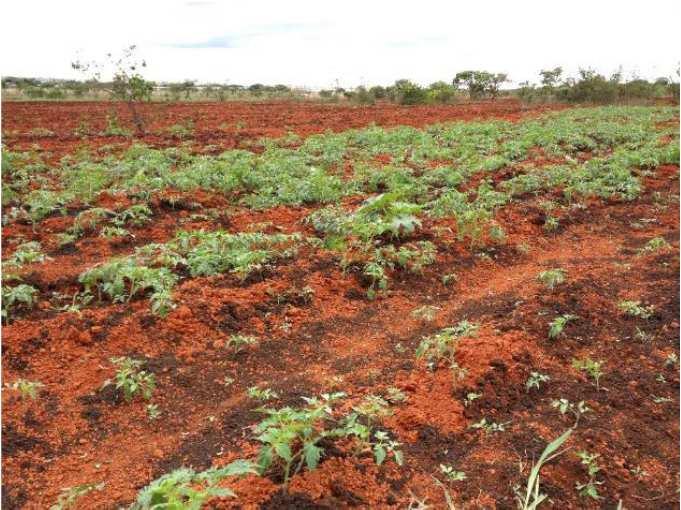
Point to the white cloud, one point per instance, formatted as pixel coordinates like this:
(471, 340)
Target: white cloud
(314, 43)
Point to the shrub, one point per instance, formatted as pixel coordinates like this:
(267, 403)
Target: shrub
(409, 93)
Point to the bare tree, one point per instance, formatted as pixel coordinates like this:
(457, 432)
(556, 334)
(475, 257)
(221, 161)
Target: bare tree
(127, 83)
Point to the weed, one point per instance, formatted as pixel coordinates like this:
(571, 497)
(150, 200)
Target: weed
(557, 325)
(131, 379)
(552, 277)
(535, 380)
(643, 336)
(182, 130)
(78, 301)
(661, 400)
(523, 248)
(639, 472)
(531, 498)
(591, 367)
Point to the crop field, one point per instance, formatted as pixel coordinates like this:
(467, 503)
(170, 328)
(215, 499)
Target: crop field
(292, 305)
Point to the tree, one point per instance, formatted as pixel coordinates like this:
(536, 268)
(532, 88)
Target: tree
(127, 84)
(480, 83)
(551, 77)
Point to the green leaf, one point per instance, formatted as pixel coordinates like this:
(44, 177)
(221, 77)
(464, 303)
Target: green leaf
(399, 457)
(284, 451)
(379, 454)
(264, 459)
(312, 455)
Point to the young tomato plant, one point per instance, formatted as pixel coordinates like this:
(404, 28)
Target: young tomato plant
(132, 380)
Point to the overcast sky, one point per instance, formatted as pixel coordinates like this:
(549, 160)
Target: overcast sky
(315, 43)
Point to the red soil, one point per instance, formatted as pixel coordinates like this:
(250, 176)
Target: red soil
(74, 433)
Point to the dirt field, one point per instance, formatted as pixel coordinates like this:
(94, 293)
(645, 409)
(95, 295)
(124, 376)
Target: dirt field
(319, 329)
(221, 126)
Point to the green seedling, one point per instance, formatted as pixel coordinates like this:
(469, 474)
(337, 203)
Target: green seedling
(113, 232)
(26, 388)
(442, 345)
(451, 474)
(671, 360)
(262, 394)
(634, 309)
(654, 245)
(470, 398)
(26, 253)
(557, 325)
(535, 380)
(131, 379)
(69, 496)
(153, 411)
(426, 313)
(185, 489)
(395, 395)
(239, 342)
(590, 488)
(591, 367)
(564, 406)
(383, 445)
(490, 426)
(373, 408)
(448, 279)
(552, 277)
(290, 437)
(22, 295)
